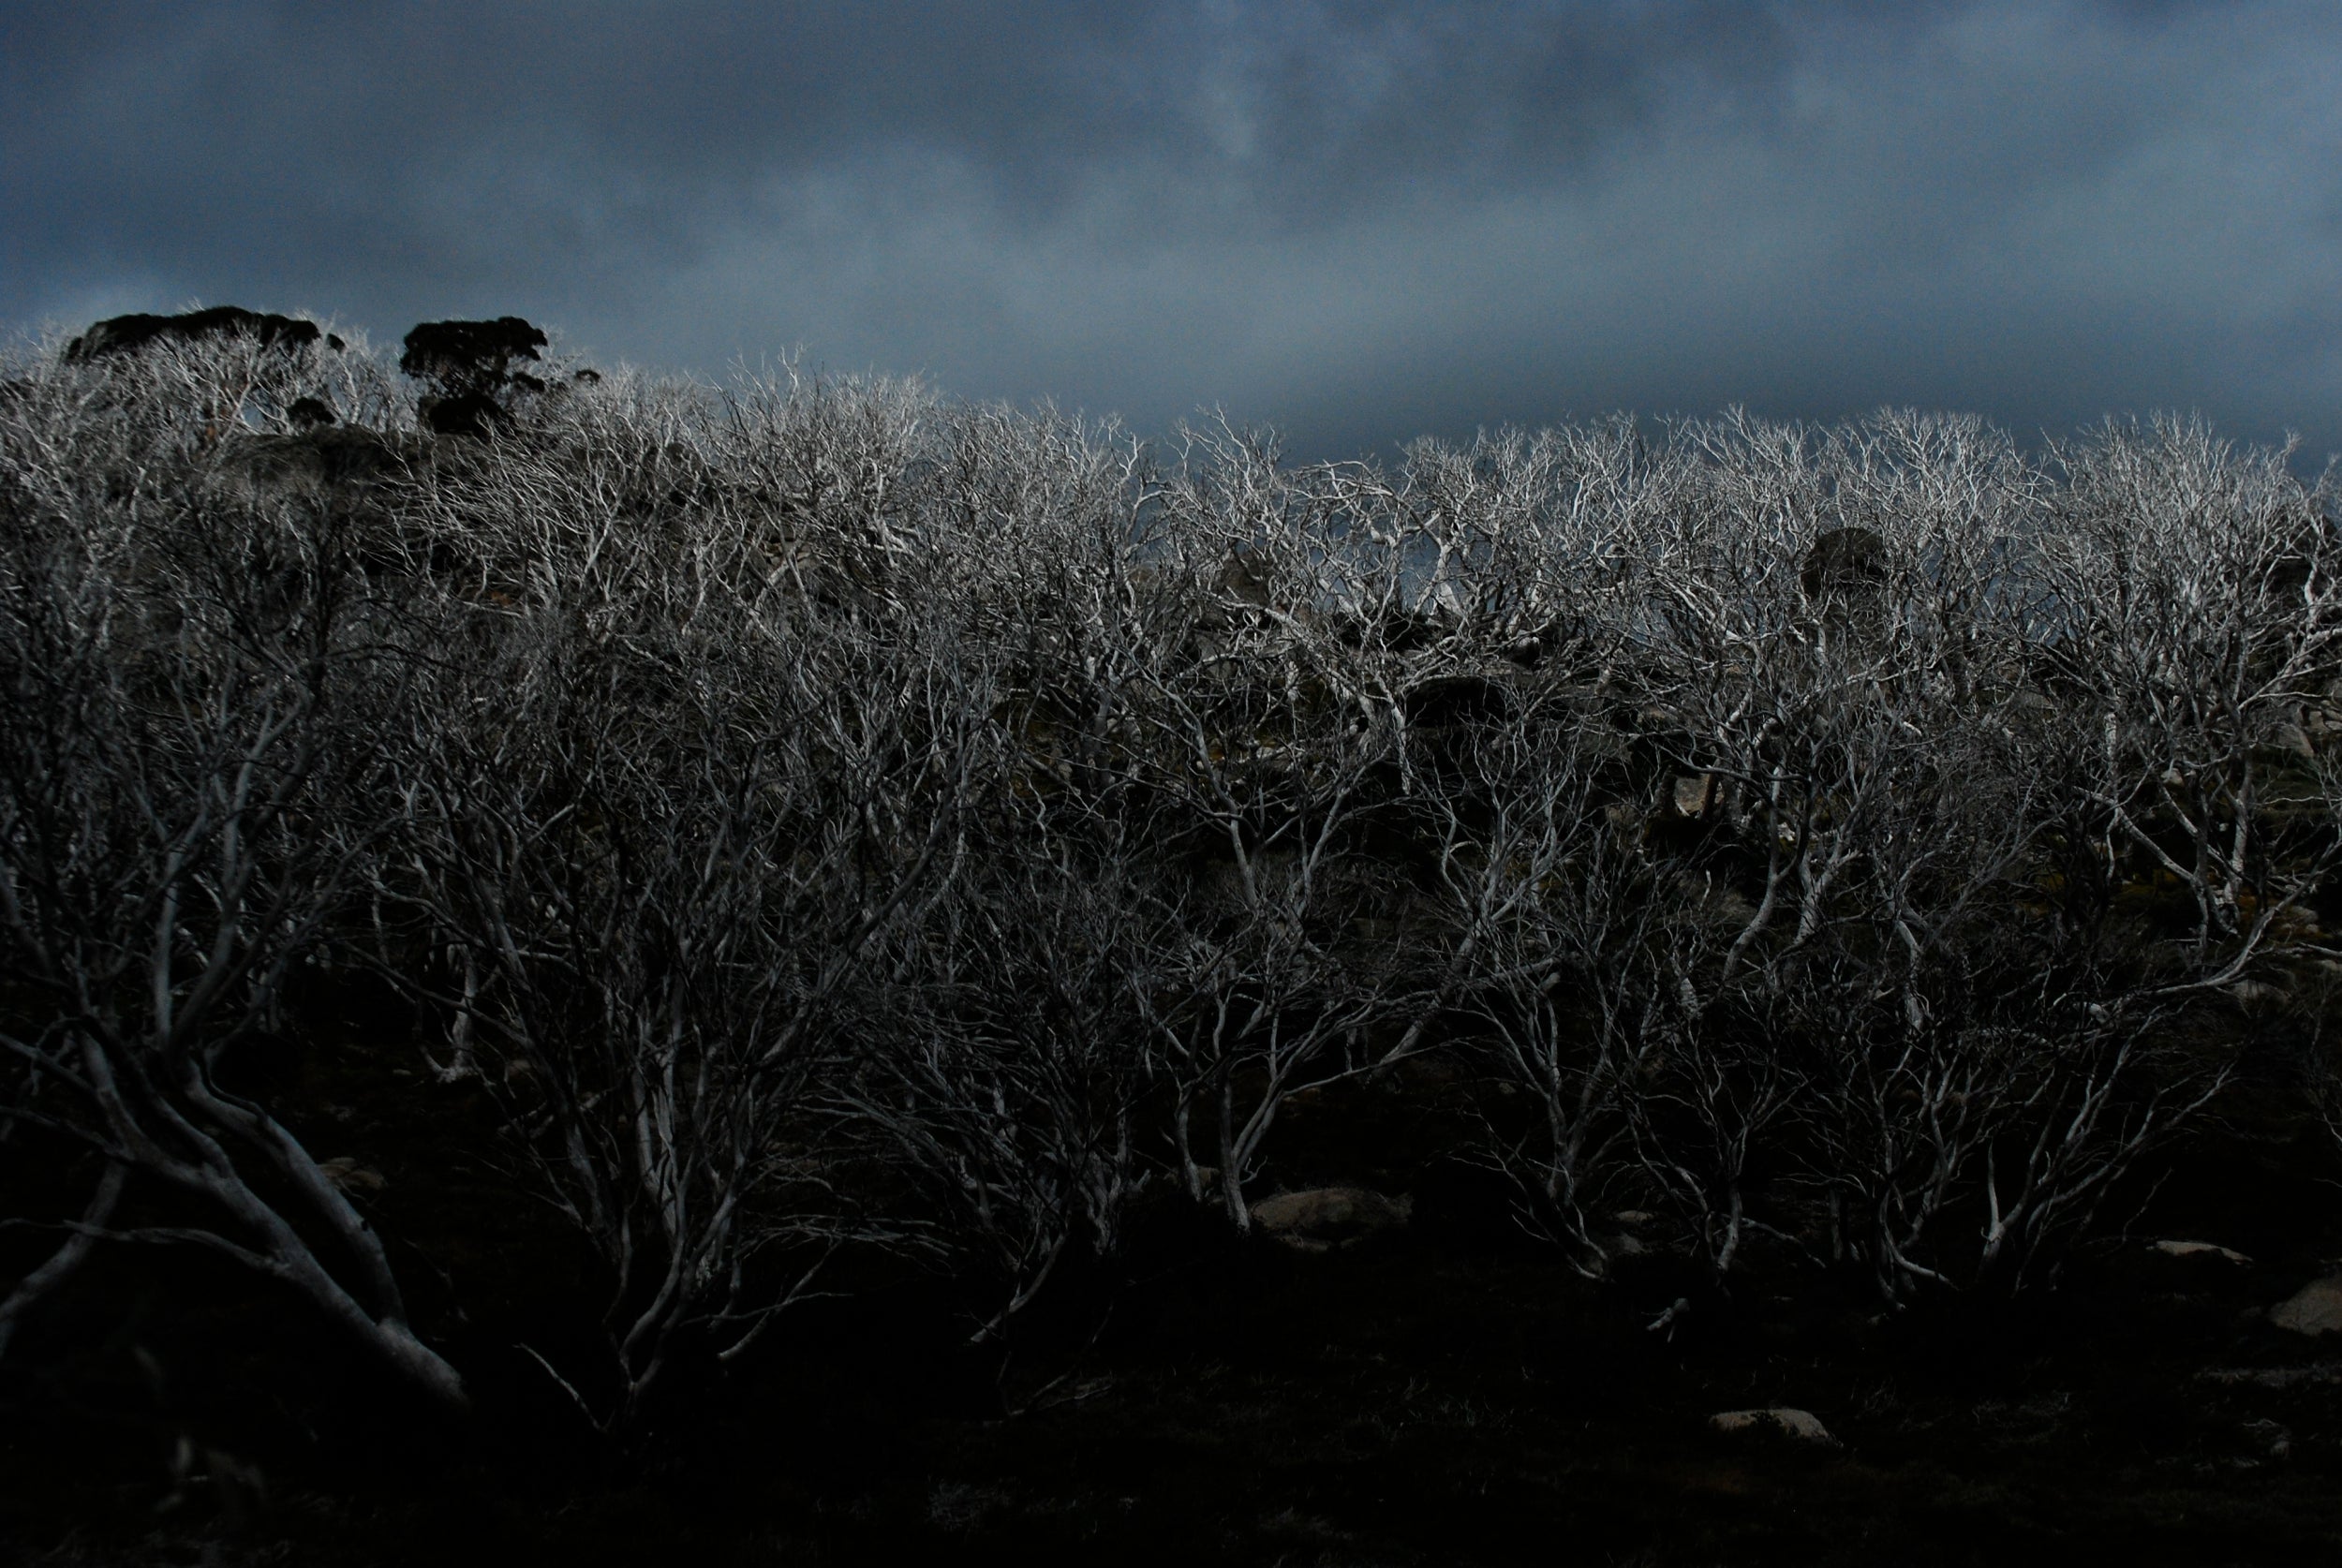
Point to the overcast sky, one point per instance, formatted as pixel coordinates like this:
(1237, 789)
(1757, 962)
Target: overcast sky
(1356, 221)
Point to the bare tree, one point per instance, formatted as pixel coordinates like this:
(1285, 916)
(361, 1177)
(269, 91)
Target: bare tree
(183, 681)
(1983, 1038)
(1844, 836)
(1576, 950)
(1272, 752)
(2196, 619)
(702, 753)
(1010, 1080)
(668, 859)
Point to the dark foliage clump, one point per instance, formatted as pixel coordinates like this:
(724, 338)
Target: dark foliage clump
(1844, 561)
(460, 357)
(472, 413)
(470, 366)
(126, 335)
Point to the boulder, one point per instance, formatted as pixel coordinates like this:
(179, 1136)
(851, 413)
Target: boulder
(473, 414)
(315, 461)
(2199, 1249)
(2315, 1309)
(345, 1171)
(1777, 1421)
(1324, 1218)
(1244, 576)
(2256, 997)
(2323, 1372)
(1457, 702)
(1525, 652)
(1692, 794)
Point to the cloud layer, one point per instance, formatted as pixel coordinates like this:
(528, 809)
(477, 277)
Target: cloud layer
(1357, 221)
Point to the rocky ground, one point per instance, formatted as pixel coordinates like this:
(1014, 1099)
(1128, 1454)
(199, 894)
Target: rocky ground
(1414, 1382)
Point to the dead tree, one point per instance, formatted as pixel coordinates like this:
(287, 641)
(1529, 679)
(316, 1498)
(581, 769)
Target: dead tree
(2197, 620)
(1272, 754)
(182, 685)
(669, 911)
(1573, 953)
(1925, 939)
(1008, 1077)
(665, 812)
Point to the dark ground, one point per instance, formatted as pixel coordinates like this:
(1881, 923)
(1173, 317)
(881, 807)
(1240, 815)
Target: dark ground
(1449, 1395)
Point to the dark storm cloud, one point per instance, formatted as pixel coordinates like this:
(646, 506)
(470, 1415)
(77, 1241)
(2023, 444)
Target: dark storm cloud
(1355, 220)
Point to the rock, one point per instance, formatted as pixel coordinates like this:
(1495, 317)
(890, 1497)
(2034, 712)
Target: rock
(2255, 996)
(322, 456)
(2321, 716)
(2315, 1309)
(1450, 701)
(1781, 1421)
(2293, 922)
(1244, 576)
(473, 414)
(1721, 905)
(2275, 1377)
(1692, 794)
(2199, 1249)
(2274, 1436)
(2033, 706)
(1326, 1217)
(2292, 740)
(345, 1171)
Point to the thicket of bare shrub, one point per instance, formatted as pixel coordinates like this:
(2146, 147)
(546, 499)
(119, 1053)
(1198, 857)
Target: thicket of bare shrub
(1853, 842)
